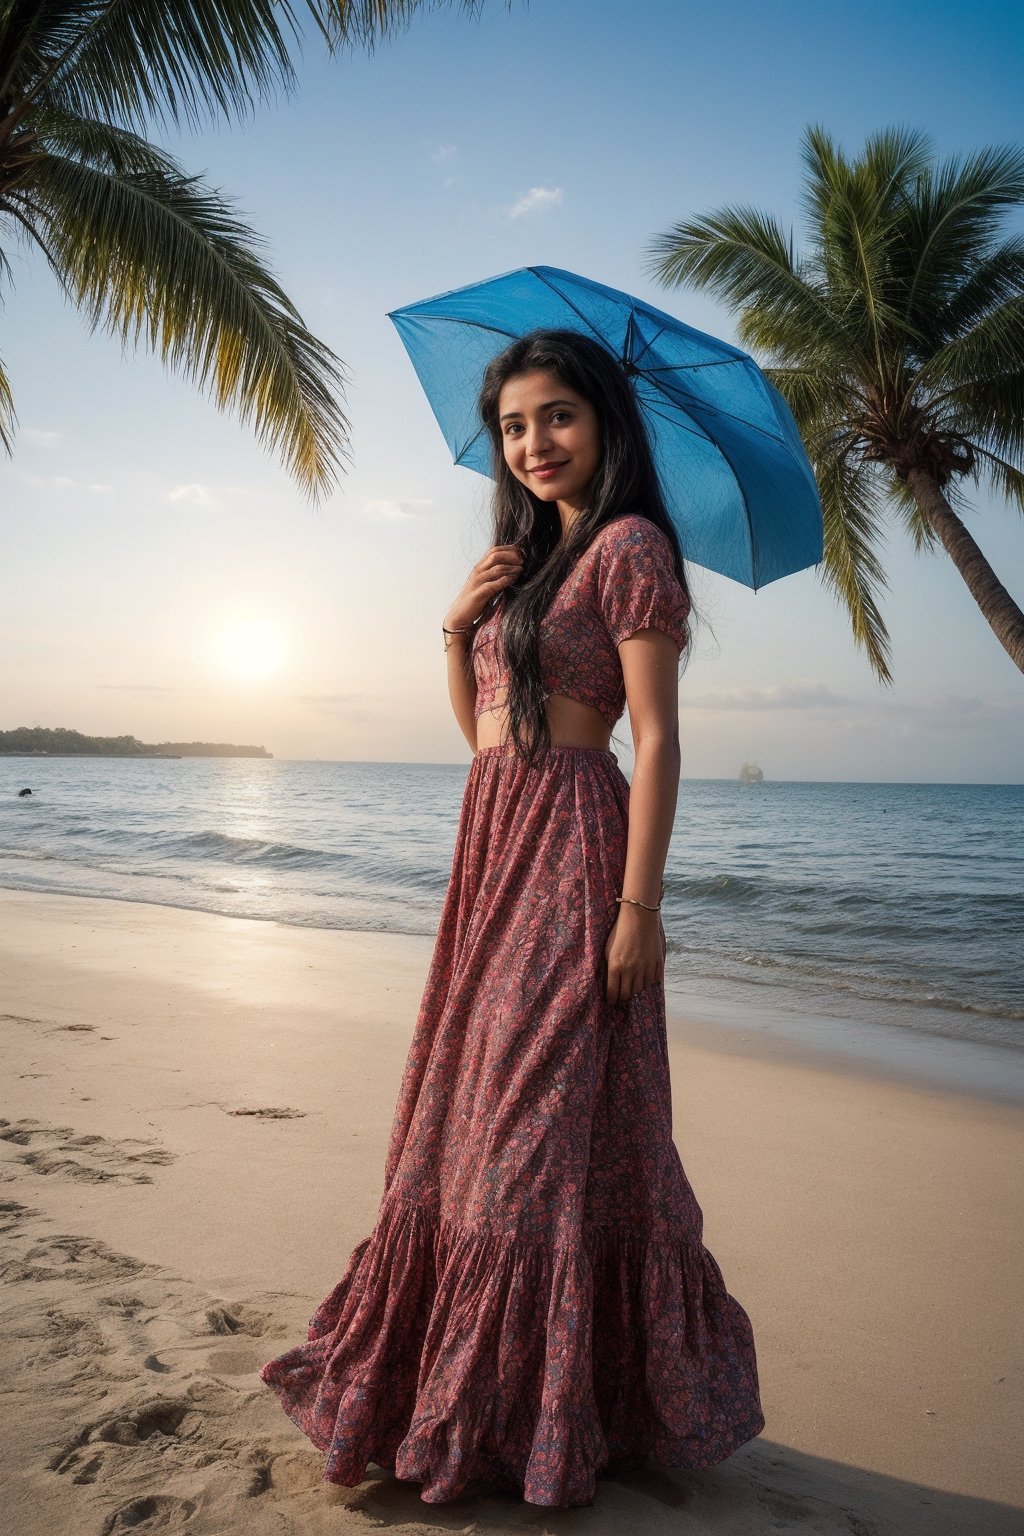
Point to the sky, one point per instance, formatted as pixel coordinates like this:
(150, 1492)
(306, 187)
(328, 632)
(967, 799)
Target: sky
(143, 530)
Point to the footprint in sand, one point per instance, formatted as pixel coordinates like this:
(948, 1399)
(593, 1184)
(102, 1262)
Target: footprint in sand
(65, 1255)
(266, 1113)
(236, 1360)
(97, 1160)
(13, 1216)
(155, 1512)
(21, 1132)
(158, 1420)
(238, 1318)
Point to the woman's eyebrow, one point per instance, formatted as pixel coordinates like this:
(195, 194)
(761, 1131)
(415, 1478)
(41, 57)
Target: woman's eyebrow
(545, 407)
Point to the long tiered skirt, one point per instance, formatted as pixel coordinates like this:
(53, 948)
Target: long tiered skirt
(534, 1300)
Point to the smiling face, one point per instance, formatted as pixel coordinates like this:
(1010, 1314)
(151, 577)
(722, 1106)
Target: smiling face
(551, 439)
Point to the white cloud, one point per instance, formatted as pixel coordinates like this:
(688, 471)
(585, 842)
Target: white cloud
(411, 507)
(195, 494)
(442, 153)
(534, 201)
(99, 489)
(37, 437)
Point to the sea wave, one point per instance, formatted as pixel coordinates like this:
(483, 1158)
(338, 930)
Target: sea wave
(811, 891)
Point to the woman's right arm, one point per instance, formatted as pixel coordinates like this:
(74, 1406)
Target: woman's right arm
(500, 565)
(462, 684)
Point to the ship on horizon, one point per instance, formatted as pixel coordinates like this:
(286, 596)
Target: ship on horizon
(750, 773)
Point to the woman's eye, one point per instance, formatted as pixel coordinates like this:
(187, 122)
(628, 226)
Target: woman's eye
(561, 416)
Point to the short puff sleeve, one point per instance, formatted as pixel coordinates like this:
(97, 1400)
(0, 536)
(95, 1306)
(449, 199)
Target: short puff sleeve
(637, 583)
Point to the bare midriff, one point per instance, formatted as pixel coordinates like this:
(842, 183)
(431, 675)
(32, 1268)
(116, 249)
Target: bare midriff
(571, 724)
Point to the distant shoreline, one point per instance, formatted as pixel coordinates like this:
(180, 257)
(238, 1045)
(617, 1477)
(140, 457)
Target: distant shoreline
(131, 756)
(39, 741)
(134, 757)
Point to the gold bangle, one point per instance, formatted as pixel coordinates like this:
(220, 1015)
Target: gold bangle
(634, 903)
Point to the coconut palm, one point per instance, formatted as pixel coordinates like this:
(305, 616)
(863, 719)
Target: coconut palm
(154, 255)
(898, 342)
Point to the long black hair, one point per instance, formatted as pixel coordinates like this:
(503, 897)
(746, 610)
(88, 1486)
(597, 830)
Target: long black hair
(626, 481)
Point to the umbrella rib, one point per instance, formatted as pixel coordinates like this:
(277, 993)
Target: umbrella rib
(477, 435)
(566, 300)
(674, 421)
(719, 362)
(649, 344)
(477, 325)
(705, 405)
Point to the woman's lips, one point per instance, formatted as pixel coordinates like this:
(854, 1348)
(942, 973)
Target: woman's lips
(545, 471)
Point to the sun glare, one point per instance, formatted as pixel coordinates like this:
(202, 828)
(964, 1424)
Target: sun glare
(252, 650)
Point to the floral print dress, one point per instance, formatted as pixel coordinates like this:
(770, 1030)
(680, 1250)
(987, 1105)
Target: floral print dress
(535, 1300)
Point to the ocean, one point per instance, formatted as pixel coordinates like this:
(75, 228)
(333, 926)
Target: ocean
(868, 917)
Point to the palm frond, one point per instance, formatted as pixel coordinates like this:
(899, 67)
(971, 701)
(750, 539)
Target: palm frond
(889, 158)
(910, 514)
(95, 142)
(161, 259)
(983, 285)
(855, 210)
(133, 61)
(362, 23)
(168, 61)
(25, 30)
(743, 257)
(1006, 478)
(992, 348)
(850, 567)
(953, 212)
(988, 412)
(8, 419)
(819, 400)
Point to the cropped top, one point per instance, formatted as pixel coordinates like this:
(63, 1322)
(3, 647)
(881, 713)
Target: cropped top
(623, 582)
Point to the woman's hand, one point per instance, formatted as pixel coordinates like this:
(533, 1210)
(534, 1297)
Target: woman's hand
(634, 953)
(500, 565)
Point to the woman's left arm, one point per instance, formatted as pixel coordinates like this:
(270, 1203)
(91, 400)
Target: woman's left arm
(634, 951)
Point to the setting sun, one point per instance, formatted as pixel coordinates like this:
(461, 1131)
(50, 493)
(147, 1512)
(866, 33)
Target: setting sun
(252, 649)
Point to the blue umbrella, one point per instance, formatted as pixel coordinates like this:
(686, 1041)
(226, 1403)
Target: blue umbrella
(733, 470)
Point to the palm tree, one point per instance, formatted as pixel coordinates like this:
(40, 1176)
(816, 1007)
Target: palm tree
(898, 342)
(150, 253)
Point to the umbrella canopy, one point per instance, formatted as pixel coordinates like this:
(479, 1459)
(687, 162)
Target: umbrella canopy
(733, 470)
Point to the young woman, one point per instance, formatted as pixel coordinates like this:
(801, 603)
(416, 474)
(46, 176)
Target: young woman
(535, 1304)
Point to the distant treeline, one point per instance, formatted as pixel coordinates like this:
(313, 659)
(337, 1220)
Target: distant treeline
(35, 741)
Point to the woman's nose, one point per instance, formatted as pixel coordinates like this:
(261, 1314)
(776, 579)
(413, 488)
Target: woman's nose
(537, 437)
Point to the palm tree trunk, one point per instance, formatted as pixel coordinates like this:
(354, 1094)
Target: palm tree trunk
(998, 607)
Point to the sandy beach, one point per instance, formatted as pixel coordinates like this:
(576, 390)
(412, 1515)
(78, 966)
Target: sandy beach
(195, 1113)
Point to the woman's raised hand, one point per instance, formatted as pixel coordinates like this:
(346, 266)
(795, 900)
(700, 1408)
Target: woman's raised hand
(499, 566)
